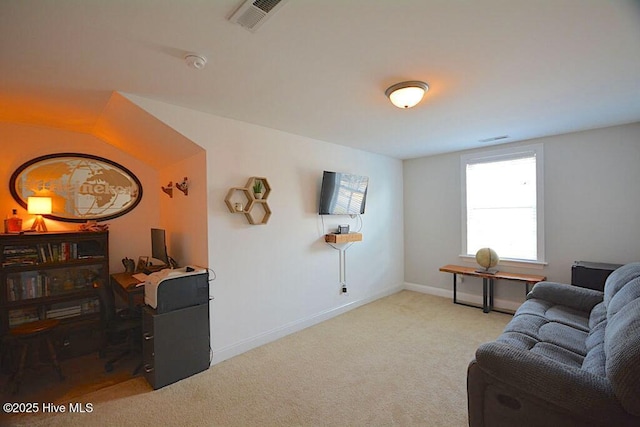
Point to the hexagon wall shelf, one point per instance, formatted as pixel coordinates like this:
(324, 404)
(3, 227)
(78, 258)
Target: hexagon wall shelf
(241, 200)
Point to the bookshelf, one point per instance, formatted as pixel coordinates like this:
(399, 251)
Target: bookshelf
(51, 276)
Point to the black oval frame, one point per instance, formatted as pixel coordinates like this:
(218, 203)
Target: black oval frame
(23, 203)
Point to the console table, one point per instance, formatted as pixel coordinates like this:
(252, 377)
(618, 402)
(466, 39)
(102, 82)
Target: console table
(488, 282)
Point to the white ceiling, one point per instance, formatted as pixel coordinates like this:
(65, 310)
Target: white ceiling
(319, 68)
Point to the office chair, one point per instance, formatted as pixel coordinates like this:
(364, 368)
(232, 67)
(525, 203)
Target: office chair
(121, 328)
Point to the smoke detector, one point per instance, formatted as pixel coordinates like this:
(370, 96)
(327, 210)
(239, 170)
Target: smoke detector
(253, 13)
(196, 61)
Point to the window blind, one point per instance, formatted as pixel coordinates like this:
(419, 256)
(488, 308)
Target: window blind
(501, 206)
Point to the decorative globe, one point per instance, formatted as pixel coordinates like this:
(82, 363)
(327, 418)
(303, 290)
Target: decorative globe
(487, 258)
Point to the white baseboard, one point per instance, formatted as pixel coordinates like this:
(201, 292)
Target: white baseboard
(431, 290)
(247, 344)
(461, 296)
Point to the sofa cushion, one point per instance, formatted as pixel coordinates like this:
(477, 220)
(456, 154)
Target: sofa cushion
(581, 299)
(556, 313)
(598, 314)
(559, 354)
(564, 336)
(542, 330)
(627, 293)
(622, 351)
(594, 361)
(552, 351)
(619, 278)
(596, 335)
(568, 316)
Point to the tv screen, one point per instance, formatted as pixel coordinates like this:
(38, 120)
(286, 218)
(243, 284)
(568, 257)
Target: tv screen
(343, 194)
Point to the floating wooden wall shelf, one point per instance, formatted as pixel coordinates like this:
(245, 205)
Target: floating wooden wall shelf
(343, 238)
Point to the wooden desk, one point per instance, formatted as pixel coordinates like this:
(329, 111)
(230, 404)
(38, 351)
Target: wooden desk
(488, 282)
(124, 285)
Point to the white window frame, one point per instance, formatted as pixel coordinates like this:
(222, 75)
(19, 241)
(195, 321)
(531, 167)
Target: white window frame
(502, 154)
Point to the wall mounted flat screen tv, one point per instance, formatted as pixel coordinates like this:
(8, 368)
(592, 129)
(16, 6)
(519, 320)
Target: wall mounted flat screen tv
(343, 194)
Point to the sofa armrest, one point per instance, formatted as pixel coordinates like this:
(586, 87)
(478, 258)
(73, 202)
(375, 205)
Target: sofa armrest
(539, 377)
(582, 299)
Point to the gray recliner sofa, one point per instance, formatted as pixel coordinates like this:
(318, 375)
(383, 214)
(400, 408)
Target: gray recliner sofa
(569, 357)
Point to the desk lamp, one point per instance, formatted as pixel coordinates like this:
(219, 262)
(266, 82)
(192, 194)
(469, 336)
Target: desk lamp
(39, 206)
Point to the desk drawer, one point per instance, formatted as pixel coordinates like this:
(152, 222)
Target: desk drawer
(148, 348)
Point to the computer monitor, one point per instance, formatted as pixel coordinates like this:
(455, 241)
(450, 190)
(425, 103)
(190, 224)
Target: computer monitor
(159, 245)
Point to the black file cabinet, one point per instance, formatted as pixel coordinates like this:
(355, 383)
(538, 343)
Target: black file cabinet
(591, 275)
(175, 345)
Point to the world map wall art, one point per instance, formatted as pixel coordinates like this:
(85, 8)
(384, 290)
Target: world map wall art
(82, 187)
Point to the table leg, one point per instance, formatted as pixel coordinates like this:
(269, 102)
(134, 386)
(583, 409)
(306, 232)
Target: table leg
(455, 300)
(490, 294)
(485, 306)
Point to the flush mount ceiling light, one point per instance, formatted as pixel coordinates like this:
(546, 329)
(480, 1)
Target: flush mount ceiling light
(406, 94)
(196, 61)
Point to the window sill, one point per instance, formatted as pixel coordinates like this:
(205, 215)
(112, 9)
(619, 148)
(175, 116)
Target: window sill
(510, 262)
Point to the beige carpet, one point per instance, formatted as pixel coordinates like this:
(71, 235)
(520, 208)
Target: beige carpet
(400, 360)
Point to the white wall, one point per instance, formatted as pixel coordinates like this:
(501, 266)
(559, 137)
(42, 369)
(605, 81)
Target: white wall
(183, 216)
(277, 278)
(592, 209)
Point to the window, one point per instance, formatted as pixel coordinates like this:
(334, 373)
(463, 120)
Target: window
(502, 203)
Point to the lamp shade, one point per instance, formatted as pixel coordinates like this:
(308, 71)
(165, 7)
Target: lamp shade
(406, 94)
(39, 205)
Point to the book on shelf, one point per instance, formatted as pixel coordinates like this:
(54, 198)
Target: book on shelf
(24, 315)
(91, 306)
(42, 253)
(19, 257)
(18, 262)
(62, 313)
(27, 285)
(15, 255)
(12, 250)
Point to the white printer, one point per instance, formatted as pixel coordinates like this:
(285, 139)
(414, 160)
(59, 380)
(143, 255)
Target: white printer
(172, 289)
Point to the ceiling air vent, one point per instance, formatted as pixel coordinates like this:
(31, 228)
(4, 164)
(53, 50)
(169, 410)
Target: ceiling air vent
(494, 138)
(253, 13)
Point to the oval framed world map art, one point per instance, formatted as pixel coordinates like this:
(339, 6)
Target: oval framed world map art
(82, 187)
